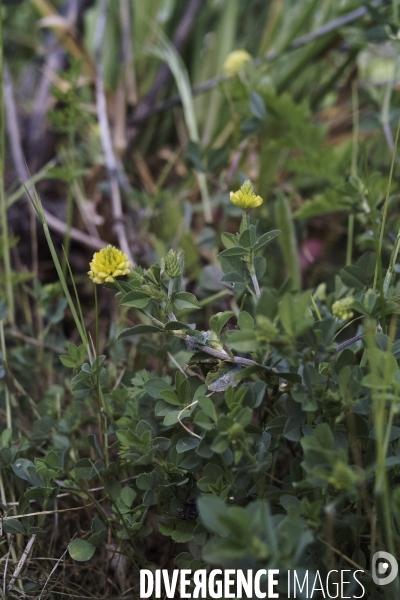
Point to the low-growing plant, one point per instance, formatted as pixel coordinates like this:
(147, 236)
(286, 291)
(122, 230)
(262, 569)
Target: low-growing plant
(258, 442)
(241, 411)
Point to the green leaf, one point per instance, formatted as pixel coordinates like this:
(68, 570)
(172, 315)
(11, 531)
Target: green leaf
(187, 443)
(156, 385)
(138, 330)
(135, 299)
(93, 441)
(6, 457)
(236, 251)
(170, 397)
(234, 264)
(232, 278)
(208, 406)
(244, 239)
(194, 155)
(217, 158)
(346, 358)
(361, 274)
(260, 266)
(393, 435)
(172, 417)
(81, 550)
(322, 204)
(294, 314)
(144, 481)
(229, 240)
(257, 106)
(13, 526)
(245, 320)
(242, 341)
(287, 240)
(223, 378)
(184, 300)
(87, 469)
(218, 320)
(265, 239)
(67, 361)
(211, 509)
(127, 496)
(176, 326)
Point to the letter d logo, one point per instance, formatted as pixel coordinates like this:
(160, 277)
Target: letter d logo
(387, 565)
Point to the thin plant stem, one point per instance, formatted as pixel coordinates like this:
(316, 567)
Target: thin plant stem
(255, 281)
(350, 236)
(379, 407)
(385, 114)
(385, 207)
(7, 393)
(316, 308)
(395, 8)
(170, 287)
(82, 321)
(214, 297)
(354, 156)
(168, 53)
(392, 262)
(96, 308)
(184, 426)
(102, 409)
(3, 206)
(39, 210)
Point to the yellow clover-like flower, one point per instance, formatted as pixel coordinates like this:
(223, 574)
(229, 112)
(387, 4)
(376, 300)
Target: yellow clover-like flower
(235, 61)
(245, 197)
(108, 263)
(342, 308)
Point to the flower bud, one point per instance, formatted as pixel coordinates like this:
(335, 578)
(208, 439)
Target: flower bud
(343, 477)
(341, 308)
(235, 61)
(172, 266)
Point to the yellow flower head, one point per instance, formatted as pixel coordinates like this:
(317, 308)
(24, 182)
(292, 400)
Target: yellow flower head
(108, 263)
(245, 197)
(235, 61)
(342, 308)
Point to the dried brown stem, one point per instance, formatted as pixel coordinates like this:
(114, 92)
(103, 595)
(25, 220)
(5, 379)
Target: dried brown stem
(21, 169)
(105, 134)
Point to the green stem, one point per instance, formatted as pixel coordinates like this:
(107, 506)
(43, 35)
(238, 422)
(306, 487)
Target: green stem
(170, 287)
(245, 224)
(254, 277)
(3, 206)
(385, 208)
(350, 236)
(354, 156)
(103, 424)
(395, 8)
(211, 299)
(316, 308)
(39, 210)
(392, 262)
(379, 408)
(7, 393)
